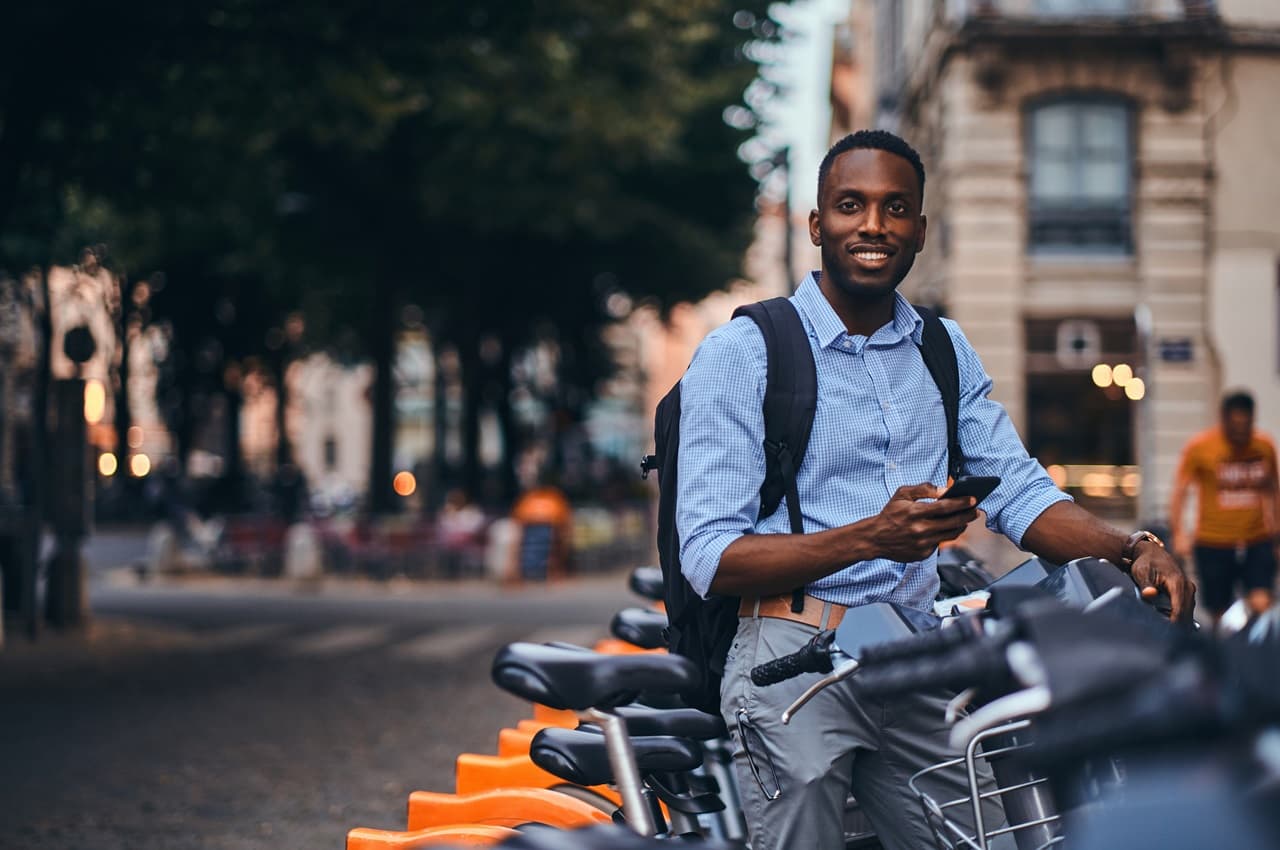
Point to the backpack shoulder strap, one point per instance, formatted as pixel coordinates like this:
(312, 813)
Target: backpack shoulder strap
(790, 401)
(939, 355)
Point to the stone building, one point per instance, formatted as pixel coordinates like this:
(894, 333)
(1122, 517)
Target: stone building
(1102, 180)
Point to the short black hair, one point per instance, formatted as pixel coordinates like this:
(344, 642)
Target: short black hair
(1237, 400)
(881, 140)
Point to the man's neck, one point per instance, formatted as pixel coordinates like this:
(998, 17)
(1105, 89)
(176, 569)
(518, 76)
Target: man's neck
(861, 317)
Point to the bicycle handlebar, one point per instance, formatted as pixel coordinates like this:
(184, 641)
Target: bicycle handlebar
(813, 657)
(976, 663)
(922, 644)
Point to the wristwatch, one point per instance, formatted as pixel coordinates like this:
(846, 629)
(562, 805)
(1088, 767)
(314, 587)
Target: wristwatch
(1130, 550)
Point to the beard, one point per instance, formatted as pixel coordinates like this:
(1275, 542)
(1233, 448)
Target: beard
(857, 287)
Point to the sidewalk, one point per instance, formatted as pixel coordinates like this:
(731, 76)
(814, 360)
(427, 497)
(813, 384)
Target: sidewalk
(101, 643)
(358, 586)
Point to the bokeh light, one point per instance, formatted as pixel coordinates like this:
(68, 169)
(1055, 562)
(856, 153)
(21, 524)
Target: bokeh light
(404, 483)
(1136, 389)
(1058, 473)
(140, 465)
(95, 401)
(107, 464)
(134, 436)
(1098, 484)
(1102, 375)
(1122, 374)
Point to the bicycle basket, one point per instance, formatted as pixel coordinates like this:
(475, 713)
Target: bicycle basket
(959, 824)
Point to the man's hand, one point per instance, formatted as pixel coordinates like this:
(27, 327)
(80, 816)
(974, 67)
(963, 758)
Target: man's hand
(908, 529)
(1154, 569)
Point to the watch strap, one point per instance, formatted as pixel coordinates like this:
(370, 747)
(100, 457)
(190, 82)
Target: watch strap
(1129, 552)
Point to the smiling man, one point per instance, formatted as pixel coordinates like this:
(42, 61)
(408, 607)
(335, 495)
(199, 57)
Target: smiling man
(868, 487)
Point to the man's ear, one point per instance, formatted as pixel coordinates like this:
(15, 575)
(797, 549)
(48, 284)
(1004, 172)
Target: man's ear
(924, 225)
(815, 232)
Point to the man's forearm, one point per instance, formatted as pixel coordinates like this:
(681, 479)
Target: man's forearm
(1066, 531)
(765, 564)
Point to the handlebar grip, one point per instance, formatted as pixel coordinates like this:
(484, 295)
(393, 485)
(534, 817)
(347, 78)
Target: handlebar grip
(918, 645)
(975, 664)
(813, 657)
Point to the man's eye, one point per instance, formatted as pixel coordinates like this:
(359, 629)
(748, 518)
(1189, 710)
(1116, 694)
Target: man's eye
(847, 206)
(898, 209)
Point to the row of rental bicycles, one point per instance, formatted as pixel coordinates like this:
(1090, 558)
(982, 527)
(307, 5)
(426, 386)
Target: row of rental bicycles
(1104, 725)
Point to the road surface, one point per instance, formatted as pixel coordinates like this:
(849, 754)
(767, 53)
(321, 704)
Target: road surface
(239, 714)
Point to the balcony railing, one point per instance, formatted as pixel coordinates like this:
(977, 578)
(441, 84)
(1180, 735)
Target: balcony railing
(1079, 229)
(1051, 11)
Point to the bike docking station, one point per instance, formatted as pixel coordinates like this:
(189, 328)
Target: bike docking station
(1069, 689)
(556, 769)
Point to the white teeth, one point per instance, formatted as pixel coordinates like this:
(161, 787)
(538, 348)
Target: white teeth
(870, 256)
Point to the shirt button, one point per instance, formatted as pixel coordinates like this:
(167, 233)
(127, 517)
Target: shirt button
(848, 343)
(891, 465)
(886, 405)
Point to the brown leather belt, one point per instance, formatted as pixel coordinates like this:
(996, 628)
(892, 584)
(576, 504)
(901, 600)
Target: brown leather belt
(779, 607)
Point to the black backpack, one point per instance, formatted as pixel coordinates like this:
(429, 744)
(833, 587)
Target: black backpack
(702, 629)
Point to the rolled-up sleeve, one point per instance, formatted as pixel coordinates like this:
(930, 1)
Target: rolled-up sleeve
(992, 446)
(721, 461)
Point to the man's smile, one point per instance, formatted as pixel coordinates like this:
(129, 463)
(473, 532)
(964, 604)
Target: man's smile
(872, 257)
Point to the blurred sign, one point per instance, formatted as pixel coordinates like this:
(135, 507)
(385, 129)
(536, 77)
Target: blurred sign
(535, 551)
(1179, 350)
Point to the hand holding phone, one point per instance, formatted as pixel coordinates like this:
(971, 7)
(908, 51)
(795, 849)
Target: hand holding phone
(976, 486)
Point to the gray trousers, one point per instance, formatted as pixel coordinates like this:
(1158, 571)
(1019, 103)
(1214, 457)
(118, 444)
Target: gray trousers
(794, 779)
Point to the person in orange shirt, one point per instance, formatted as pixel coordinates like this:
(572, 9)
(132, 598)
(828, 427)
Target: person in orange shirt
(1234, 469)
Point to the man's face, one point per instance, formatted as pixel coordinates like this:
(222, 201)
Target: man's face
(1237, 425)
(868, 223)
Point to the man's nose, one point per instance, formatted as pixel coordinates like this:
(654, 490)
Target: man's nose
(872, 222)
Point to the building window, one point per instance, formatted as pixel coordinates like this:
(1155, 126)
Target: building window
(1086, 7)
(889, 59)
(1081, 154)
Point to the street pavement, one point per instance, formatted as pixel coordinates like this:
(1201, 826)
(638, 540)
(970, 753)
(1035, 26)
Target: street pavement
(214, 713)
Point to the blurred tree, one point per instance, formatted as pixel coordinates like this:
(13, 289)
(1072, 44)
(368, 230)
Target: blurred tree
(536, 159)
(507, 166)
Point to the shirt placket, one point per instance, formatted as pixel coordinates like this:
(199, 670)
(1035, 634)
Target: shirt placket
(889, 414)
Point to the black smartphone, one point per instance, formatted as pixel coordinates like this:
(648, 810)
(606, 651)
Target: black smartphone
(977, 486)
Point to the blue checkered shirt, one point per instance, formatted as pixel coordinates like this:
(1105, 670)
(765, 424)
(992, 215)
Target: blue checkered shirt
(879, 425)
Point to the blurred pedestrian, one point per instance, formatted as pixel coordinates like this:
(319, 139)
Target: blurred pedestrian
(461, 528)
(1233, 468)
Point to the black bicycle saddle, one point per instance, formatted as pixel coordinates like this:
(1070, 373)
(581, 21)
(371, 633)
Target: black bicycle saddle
(640, 626)
(581, 756)
(576, 679)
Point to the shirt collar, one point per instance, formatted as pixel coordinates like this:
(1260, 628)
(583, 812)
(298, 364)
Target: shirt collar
(829, 330)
